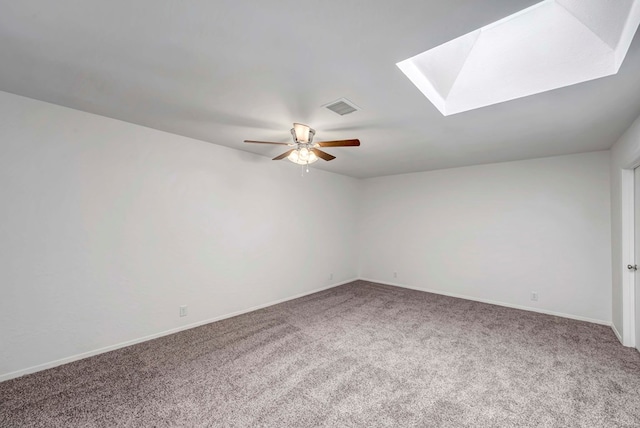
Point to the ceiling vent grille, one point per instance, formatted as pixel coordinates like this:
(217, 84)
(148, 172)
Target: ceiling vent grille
(342, 106)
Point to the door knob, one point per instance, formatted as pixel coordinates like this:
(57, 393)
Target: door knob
(632, 267)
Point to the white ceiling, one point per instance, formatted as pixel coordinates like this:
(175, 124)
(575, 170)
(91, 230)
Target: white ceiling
(225, 71)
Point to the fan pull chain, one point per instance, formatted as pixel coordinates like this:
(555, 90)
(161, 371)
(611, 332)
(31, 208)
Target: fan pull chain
(305, 167)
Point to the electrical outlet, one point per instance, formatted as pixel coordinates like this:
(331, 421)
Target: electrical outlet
(395, 274)
(331, 276)
(534, 296)
(183, 310)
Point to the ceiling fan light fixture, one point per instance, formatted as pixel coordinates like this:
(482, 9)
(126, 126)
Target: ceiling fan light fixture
(302, 156)
(303, 150)
(302, 133)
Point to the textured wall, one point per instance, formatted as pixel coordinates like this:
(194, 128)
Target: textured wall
(106, 228)
(497, 233)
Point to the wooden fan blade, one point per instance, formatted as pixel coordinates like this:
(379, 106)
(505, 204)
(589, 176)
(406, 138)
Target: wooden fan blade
(265, 142)
(284, 155)
(324, 155)
(340, 143)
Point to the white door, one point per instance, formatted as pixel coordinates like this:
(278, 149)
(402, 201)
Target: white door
(637, 252)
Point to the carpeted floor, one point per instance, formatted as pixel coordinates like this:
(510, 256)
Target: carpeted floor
(359, 355)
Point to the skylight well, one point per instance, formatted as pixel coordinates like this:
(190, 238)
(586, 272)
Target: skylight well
(552, 44)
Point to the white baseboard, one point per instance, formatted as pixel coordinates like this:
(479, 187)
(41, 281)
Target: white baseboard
(493, 302)
(77, 357)
(617, 333)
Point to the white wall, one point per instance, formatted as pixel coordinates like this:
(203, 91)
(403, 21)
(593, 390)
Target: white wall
(625, 155)
(496, 233)
(107, 227)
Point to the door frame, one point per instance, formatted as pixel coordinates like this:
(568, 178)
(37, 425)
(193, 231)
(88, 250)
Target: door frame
(628, 253)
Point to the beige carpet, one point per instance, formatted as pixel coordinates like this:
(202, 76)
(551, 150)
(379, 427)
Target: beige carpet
(359, 355)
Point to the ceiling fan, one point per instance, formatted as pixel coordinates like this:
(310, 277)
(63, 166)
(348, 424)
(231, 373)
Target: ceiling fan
(303, 150)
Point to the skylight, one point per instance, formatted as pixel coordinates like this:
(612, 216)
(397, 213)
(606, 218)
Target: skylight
(552, 44)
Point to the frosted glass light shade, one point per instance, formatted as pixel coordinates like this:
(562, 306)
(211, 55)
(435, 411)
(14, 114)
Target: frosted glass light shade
(302, 156)
(552, 44)
(302, 133)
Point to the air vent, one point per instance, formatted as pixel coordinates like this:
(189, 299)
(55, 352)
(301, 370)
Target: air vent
(342, 106)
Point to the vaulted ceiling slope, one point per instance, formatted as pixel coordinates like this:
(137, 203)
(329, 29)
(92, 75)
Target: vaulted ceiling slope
(224, 72)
